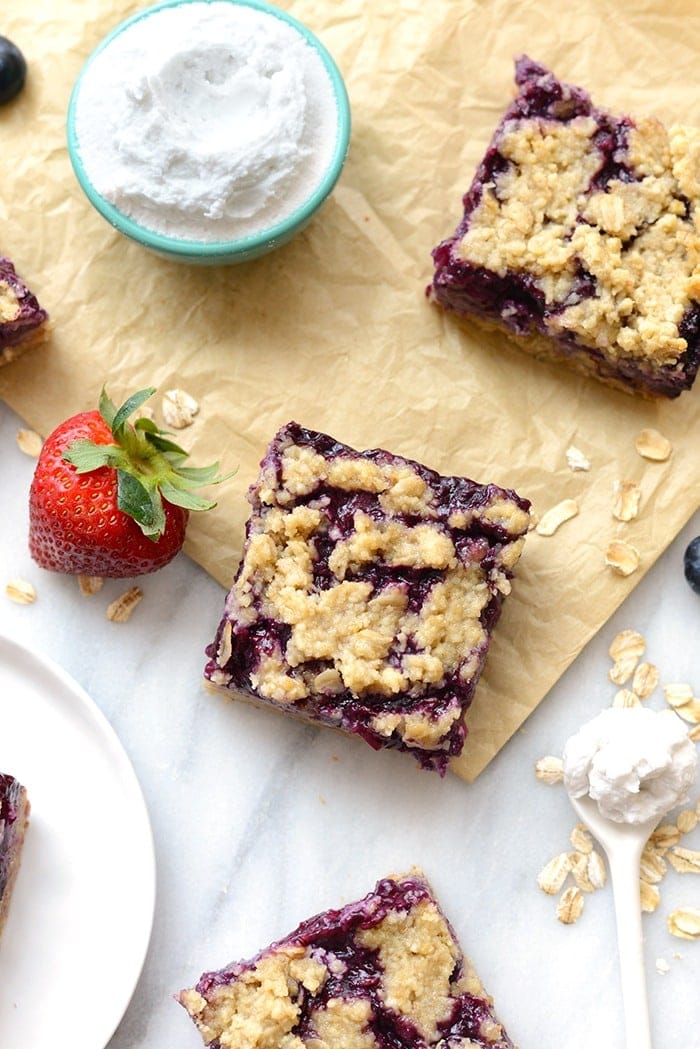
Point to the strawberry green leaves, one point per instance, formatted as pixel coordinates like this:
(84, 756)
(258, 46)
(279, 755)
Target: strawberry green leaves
(149, 465)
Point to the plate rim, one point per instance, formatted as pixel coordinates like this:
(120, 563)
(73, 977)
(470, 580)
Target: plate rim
(12, 646)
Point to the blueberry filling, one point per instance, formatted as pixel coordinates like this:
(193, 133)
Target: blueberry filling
(354, 972)
(367, 532)
(518, 294)
(10, 802)
(28, 314)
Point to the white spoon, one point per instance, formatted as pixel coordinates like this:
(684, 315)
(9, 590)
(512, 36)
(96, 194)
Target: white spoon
(623, 844)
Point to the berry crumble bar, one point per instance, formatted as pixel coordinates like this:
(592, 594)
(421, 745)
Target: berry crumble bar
(14, 817)
(367, 592)
(22, 320)
(383, 973)
(580, 239)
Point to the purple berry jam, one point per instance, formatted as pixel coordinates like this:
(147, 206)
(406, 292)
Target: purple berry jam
(522, 302)
(25, 315)
(11, 797)
(352, 971)
(390, 515)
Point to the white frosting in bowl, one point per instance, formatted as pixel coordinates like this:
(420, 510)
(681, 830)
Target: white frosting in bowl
(206, 121)
(636, 763)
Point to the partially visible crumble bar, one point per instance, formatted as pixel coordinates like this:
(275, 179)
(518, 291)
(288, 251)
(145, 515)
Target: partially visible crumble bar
(580, 239)
(385, 972)
(367, 593)
(23, 322)
(14, 817)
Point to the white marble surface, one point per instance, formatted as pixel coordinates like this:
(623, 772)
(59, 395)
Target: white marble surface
(259, 822)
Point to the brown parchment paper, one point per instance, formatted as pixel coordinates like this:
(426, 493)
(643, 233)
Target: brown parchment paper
(334, 330)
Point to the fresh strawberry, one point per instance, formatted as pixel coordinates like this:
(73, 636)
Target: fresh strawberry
(110, 498)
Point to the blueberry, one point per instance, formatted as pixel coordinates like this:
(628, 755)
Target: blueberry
(13, 70)
(691, 564)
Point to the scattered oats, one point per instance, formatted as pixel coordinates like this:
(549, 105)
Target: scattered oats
(653, 445)
(553, 874)
(576, 459)
(120, 610)
(687, 821)
(694, 733)
(628, 644)
(179, 409)
(570, 905)
(664, 837)
(626, 500)
(29, 442)
(556, 516)
(649, 896)
(20, 591)
(685, 923)
(579, 871)
(621, 671)
(550, 769)
(645, 680)
(622, 557)
(690, 712)
(652, 866)
(597, 873)
(581, 839)
(678, 694)
(685, 861)
(625, 698)
(662, 966)
(90, 584)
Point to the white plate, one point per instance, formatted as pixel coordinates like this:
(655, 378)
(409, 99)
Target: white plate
(81, 914)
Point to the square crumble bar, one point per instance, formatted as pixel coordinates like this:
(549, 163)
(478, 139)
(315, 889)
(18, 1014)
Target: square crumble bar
(580, 239)
(367, 592)
(23, 322)
(385, 972)
(14, 817)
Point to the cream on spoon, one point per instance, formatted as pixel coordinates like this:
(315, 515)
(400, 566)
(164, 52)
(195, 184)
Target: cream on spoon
(623, 771)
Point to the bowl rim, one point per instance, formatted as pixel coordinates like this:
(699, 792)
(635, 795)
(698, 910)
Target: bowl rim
(161, 242)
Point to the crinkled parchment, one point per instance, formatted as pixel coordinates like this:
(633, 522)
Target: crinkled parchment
(334, 330)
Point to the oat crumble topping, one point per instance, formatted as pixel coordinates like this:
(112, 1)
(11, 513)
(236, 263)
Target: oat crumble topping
(367, 592)
(580, 237)
(385, 972)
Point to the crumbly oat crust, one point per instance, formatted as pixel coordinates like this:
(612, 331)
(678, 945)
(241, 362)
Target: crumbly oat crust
(579, 239)
(385, 972)
(23, 322)
(367, 592)
(14, 818)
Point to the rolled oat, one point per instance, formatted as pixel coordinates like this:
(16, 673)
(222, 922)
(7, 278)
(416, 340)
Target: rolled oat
(570, 905)
(179, 408)
(556, 516)
(685, 923)
(20, 591)
(622, 557)
(550, 769)
(29, 442)
(653, 445)
(627, 495)
(553, 874)
(119, 611)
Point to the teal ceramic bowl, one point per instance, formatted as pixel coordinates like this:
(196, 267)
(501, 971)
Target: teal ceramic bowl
(223, 252)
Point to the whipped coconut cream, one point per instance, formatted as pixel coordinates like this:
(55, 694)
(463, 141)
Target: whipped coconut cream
(637, 763)
(208, 121)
